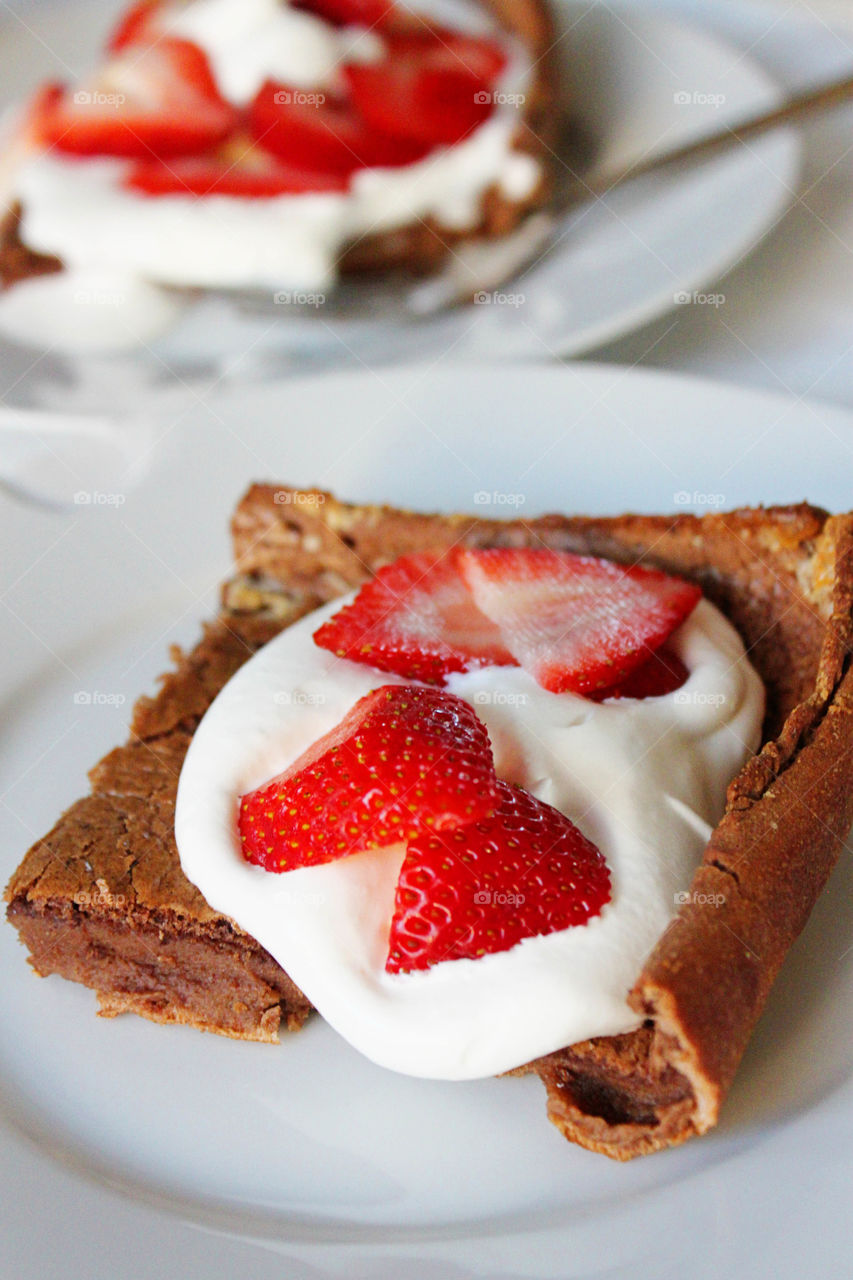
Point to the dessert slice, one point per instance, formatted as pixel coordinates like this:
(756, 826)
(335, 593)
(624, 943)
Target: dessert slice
(383, 138)
(102, 899)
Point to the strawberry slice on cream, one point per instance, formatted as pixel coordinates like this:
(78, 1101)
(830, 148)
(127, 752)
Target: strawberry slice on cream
(157, 100)
(404, 761)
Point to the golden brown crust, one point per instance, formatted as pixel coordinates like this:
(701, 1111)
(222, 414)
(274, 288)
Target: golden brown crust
(783, 575)
(419, 247)
(788, 813)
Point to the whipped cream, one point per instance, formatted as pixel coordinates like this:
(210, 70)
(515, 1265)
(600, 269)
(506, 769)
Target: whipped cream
(78, 210)
(256, 40)
(644, 780)
(84, 310)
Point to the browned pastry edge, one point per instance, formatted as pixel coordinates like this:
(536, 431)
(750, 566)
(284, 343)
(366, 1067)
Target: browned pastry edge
(421, 246)
(782, 575)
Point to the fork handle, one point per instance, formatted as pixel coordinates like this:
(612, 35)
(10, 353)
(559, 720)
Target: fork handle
(793, 110)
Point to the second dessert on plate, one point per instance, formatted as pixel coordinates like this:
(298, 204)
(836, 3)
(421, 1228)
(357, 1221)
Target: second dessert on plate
(268, 145)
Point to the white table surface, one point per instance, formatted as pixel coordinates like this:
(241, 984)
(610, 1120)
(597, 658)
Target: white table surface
(787, 321)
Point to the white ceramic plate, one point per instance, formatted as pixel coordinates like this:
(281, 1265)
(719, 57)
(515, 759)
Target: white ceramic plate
(306, 1160)
(640, 82)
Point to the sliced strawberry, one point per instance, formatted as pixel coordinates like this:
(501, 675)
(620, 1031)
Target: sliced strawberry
(440, 48)
(416, 618)
(137, 25)
(660, 673)
(403, 761)
(349, 13)
(149, 100)
(413, 99)
(236, 168)
(523, 872)
(328, 134)
(576, 623)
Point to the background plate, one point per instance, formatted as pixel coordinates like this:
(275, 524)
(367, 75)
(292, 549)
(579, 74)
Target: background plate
(639, 82)
(308, 1151)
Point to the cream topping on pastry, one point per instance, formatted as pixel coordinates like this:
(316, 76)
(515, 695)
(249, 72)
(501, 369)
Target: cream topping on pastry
(645, 780)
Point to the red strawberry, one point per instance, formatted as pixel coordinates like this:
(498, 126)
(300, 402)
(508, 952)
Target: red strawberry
(158, 100)
(662, 672)
(236, 168)
(523, 872)
(350, 13)
(409, 98)
(416, 618)
(329, 134)
(576, 622)
(441, 48)
(402, 762)
(137, 25)
(433, 85)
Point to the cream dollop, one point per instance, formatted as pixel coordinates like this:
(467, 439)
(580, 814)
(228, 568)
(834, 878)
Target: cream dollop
(256, 40)
(645, 780)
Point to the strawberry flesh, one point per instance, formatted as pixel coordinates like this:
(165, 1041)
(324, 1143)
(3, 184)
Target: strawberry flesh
(402, 762)
(236, 168)
(662, 672)
(350, 13)
(327, 135)
(578, 624)
(523, 872)
(138, 25)
(158, 100)
(433, 106)
(417, 619)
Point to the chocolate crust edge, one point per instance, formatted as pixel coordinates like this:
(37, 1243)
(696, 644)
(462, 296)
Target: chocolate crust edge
(788, 814)
(705, 984)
